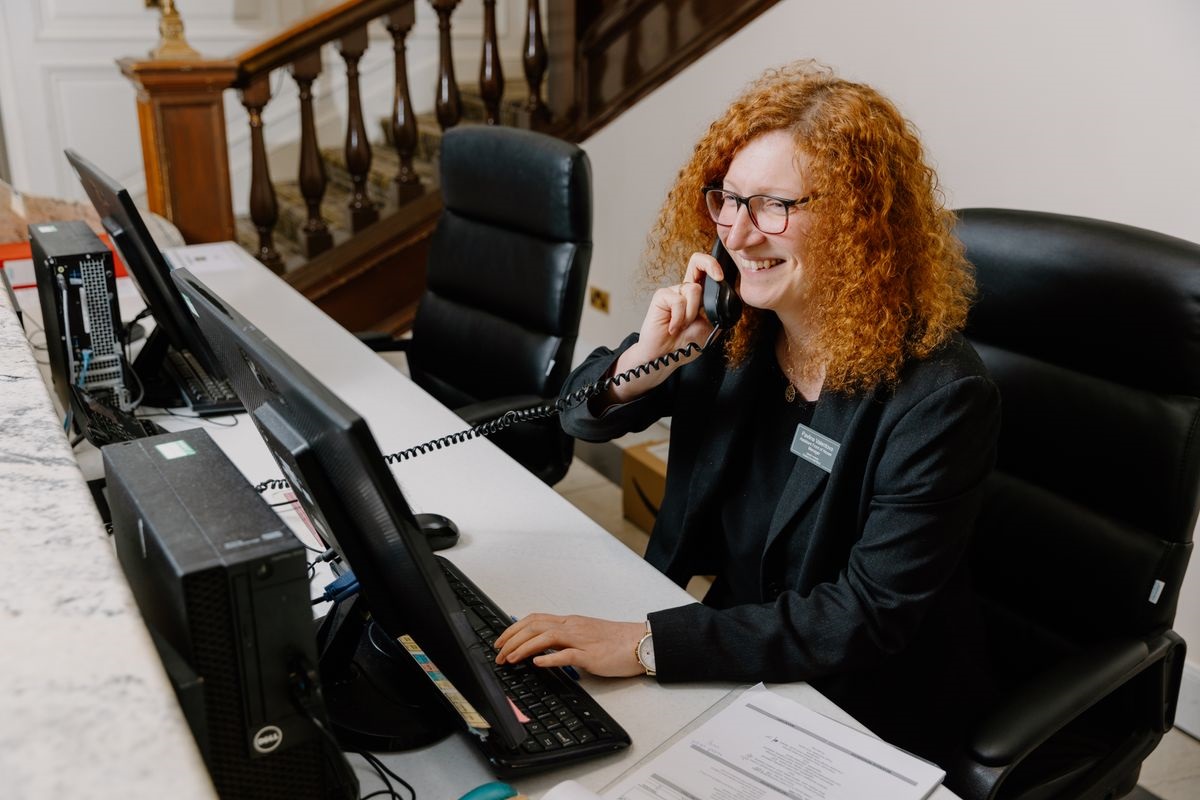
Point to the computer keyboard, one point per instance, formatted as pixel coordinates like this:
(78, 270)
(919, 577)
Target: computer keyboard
(102, 424)
(203, 393)
(565, 724)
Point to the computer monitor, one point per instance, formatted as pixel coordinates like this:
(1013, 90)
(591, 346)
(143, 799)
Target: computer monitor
(330, 457)
(175, 329)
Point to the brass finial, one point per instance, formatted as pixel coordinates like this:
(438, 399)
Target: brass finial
(171, 43)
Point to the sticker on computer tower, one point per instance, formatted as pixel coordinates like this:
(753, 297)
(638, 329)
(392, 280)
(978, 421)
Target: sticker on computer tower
(175, 449)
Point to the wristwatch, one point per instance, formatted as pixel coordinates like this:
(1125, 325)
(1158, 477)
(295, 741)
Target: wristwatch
(644, 651)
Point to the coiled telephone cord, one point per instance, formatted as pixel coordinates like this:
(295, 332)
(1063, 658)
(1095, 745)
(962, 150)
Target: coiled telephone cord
(544, 411)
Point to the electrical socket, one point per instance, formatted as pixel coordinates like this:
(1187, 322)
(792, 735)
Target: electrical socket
(599, 299)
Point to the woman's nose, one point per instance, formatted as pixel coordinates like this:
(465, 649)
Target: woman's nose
(742, 232)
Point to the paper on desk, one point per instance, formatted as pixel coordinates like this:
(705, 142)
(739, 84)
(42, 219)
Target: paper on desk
(766, 747)
(570, 790)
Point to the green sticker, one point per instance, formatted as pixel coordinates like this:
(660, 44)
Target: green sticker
(175, 449)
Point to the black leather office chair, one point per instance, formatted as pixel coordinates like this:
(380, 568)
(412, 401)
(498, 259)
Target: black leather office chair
(1092, 332)
(497, 325)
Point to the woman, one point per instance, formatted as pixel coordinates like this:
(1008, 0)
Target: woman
(826, 463)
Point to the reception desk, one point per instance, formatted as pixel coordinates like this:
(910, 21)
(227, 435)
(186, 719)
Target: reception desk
(94, 708)
(85, 707)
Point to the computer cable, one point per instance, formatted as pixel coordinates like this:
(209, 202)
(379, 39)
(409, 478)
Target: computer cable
(381, 768)
(206, 420)
(305, 690)
(343, 587)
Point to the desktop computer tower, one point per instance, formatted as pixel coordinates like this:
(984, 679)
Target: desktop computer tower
(223, 587)
(78, 294)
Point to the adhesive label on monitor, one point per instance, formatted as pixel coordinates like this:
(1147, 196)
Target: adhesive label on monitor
(175, 449)
(448, 690)
(1156, 591)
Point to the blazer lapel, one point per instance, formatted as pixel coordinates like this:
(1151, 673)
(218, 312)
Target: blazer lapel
(832, 418)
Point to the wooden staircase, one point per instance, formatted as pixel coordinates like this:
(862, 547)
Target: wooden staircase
(381, 190)
(352, 232)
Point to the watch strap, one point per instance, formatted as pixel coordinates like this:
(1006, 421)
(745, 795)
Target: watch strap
(637, 649)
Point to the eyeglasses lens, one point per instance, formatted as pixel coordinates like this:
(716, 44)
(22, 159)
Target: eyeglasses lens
(767, 213)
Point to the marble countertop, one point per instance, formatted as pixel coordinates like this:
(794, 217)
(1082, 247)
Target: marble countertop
(86, 709)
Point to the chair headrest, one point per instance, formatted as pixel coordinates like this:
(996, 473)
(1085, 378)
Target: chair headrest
(1070, 290)
(518, 179)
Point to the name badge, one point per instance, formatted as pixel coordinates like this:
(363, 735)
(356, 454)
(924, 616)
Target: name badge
(814, 447)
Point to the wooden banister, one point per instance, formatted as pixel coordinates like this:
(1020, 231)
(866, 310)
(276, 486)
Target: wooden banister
(310, 34)
(630, 48)
(584, 63)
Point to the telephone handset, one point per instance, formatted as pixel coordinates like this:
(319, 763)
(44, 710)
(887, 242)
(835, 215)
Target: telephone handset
(721, 302)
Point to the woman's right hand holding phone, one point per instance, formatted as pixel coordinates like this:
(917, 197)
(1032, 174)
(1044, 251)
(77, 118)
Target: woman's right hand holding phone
(674, 319)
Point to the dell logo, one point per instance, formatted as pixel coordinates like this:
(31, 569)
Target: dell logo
(268, 738)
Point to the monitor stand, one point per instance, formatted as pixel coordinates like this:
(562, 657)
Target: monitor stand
(158, 389)
(378, 698)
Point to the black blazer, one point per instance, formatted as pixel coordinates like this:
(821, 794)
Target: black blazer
(865, 586)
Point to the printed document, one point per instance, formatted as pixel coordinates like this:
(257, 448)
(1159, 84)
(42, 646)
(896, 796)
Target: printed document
(767, 747)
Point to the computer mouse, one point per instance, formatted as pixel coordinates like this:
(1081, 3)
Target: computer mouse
(440, 532)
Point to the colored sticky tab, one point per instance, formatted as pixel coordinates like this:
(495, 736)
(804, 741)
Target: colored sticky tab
(521, 718)
(815, 448)
(465, 710)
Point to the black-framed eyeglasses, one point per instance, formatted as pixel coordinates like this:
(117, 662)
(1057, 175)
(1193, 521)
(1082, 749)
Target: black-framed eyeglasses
(767, 213)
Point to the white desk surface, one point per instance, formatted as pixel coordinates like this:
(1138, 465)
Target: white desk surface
(512, 525)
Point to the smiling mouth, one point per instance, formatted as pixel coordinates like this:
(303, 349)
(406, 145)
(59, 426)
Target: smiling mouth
(758, 265)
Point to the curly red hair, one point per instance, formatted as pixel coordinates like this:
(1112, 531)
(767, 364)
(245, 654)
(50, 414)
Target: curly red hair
(886, 278)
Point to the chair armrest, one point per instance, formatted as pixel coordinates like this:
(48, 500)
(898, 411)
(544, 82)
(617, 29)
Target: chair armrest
(488, 410)
(381, 342)
(1032, 713)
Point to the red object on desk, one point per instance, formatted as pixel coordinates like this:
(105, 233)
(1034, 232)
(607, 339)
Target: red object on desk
(17, 251)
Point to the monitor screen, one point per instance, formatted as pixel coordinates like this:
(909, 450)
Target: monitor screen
(330, 457)
(148, 268)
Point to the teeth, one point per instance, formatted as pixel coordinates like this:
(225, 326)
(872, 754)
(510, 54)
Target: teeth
(755, 266)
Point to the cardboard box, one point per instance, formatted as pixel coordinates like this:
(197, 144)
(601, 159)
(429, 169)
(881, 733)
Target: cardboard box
(643, 477)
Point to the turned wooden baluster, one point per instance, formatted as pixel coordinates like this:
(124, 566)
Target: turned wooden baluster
(535, 59)
(491, 76)
(358, 150)
(404, 121)
(449, 102)
(317, 238)
(263, 208)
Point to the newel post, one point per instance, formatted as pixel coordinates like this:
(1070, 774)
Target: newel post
(182, 124)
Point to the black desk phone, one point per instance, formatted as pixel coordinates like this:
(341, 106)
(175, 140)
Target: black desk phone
(721, 302)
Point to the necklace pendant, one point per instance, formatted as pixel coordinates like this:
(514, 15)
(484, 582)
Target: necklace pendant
(789, 394)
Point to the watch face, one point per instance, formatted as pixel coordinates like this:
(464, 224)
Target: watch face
(645, 652)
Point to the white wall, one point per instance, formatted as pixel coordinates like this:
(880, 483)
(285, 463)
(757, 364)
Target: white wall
(1085, 107)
